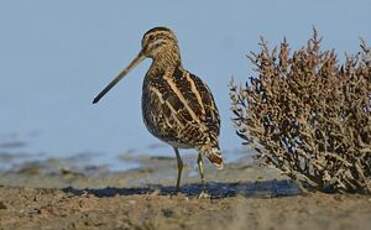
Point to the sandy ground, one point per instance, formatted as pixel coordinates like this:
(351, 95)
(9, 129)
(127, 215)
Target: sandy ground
(242, 196)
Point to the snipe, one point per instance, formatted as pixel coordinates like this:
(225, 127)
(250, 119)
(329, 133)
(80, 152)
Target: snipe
(178, 108)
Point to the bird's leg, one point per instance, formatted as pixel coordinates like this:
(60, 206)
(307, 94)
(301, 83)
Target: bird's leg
(180, 168)
(200, 163)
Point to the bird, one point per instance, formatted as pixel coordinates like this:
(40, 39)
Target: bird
(177, 106)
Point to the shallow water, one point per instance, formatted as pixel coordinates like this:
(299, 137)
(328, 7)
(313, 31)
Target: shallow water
(15, 154)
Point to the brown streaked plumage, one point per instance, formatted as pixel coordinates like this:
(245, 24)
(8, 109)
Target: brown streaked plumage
(178, 108)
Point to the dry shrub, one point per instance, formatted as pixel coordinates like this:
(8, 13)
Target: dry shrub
(309, 116)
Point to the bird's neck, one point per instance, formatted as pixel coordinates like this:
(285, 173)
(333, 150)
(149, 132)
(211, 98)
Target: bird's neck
(164, 61)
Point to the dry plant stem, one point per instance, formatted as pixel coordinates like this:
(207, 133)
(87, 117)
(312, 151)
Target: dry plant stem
(309, 116)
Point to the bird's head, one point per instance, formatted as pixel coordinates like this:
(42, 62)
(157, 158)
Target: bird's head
(158, 43)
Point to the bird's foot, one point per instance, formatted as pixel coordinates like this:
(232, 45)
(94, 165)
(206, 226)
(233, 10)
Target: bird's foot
(204, 195)
(175, 193)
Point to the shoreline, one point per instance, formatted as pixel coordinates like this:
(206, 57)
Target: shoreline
(242, 196)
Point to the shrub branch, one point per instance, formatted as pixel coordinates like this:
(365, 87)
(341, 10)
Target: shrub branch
(309, 116)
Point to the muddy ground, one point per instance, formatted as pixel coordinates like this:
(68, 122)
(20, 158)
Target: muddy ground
(242, 196)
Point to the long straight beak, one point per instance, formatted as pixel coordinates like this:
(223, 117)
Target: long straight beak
(138, 59)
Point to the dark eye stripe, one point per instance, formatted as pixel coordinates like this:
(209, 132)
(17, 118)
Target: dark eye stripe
(156, 39)
(154, 45)
(148, 37)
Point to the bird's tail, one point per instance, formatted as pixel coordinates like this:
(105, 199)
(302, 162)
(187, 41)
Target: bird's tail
(214, 155)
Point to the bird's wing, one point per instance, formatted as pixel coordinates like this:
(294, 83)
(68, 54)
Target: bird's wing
(182, 106)
(197, 99)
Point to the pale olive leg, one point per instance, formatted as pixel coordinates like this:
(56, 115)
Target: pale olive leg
(200, 163)
(180, 168)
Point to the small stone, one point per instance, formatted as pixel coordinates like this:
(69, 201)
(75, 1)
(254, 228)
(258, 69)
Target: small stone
(2, 205)
(167, 212)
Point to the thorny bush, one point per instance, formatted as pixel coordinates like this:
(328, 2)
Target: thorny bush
(309, 116)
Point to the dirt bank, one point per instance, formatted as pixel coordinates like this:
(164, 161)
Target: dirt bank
(242, 197)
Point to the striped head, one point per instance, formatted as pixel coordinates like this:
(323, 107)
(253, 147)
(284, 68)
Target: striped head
(158, 43)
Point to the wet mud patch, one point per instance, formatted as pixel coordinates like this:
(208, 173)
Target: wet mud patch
(216, 190)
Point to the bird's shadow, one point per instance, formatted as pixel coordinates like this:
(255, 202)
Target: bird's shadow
(216, 190)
